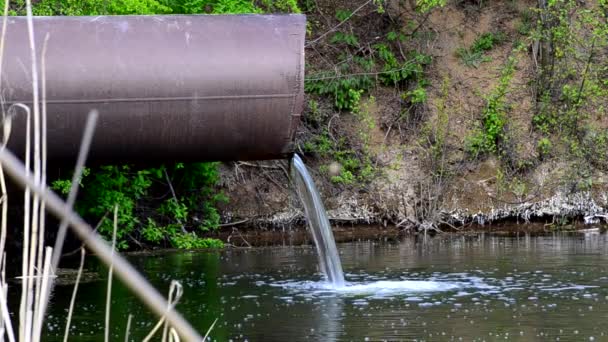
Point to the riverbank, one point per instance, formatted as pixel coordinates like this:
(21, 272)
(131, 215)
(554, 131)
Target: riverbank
(343, 233)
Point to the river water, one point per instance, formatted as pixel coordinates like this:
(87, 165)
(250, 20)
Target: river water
(469, 288)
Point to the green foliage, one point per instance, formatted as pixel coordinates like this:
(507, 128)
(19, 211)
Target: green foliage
(352, 155)
(572, 87)
(130, 189)
(342, 15)
(354, 166)
(594, 147)
(233, 7)
(395, 72)
(191, 241)
(314, 114)
(152, 232)
(475, 54)
(91, 7)
(357, 73)
(489, 137)
(124, 7)
(346, 38)
(524, 27)
(543, 146)
(487, 41)
(282, 6)
(111, 186)
(64, 185)
(416, 95)
(346, 90)
(424, 6)
(470, 58)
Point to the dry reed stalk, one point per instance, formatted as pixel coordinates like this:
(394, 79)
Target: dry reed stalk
(5, 134)
(175, 294)
(41, 214)
(6, 318)
(29, 276)
(128, 329)
(73, 300)
(44, 293)
(5, 322)
(109, 290)
(209, 330)
(26, 235)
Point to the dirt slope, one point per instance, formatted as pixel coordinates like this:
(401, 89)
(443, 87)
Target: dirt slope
(403, 187)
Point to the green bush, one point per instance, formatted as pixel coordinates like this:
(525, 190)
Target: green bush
(354, 166)
(490, 136)
(543, 147)
(346, 91)
(131, 190)
(123, 7)
(474, 55)
(424, 6)
(395, 72)
(191, 241)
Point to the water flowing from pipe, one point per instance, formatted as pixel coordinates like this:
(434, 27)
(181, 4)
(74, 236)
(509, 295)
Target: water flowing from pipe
(329, 259)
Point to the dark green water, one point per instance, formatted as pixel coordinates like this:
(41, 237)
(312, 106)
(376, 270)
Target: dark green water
(449, 288)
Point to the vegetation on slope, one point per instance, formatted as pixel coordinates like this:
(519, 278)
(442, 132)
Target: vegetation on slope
(539, 103)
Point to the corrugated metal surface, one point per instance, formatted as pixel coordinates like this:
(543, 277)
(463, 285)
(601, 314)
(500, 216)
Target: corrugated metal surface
(166, 87)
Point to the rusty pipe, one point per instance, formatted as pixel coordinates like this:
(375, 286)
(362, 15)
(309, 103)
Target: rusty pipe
(193, 87)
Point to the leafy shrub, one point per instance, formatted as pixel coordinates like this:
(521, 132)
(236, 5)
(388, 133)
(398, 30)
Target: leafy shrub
(471, 58)
(544, 147)
(489, 137)
(424, 6)
(346, 38)
(487, 41)
(121, 7)
(191, 241)
(353, 166)
(394, 71)
(346, 91)
(475, 54)
(130, 189)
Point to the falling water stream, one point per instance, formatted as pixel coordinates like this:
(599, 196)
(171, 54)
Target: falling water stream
(329, 259)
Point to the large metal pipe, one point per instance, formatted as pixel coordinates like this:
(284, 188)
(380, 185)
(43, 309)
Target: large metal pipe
(166, 87)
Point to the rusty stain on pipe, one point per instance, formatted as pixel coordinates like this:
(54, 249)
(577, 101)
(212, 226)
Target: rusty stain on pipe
(192, 87)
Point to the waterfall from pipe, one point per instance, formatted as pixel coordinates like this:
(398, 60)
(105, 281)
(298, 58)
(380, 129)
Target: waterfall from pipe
(329, 259)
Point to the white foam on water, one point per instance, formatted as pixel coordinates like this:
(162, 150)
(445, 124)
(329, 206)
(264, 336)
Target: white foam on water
(388, 287)
(376, 289)
(566, 288)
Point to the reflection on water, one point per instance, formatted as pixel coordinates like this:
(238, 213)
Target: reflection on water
(450, 288)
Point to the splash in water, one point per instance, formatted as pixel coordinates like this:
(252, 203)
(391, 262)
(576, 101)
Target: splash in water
(329, 260)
